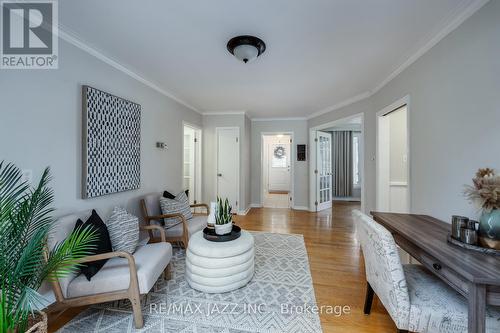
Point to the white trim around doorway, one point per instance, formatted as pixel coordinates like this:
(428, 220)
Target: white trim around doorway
(198, 159)
(405, 101)
(292, 167)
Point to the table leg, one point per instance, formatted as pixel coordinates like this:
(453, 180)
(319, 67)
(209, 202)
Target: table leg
(477, 308)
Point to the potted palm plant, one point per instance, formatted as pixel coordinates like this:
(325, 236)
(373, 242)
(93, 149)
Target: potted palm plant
(223, 217)
(25, 261)
(485, 193)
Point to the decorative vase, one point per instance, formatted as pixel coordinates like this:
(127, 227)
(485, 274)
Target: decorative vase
(223, 229)
(489, 229)
(211, 216)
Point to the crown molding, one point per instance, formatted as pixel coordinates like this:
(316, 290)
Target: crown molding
(452, 22)
(340, 105)
(224, 113)
(72, 38)
(448, 25)
(279, 119)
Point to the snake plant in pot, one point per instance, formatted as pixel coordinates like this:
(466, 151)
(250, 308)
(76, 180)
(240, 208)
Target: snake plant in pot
(223, 217)
(25, 261)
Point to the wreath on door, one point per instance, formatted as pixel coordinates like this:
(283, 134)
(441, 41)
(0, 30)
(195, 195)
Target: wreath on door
(279, 152)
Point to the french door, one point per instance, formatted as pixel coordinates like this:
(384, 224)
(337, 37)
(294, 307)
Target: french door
(323, 170)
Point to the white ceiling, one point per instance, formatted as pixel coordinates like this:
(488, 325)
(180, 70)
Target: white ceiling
(319, 54)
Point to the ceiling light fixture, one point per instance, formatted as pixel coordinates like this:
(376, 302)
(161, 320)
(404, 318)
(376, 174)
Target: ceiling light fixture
(246, 48)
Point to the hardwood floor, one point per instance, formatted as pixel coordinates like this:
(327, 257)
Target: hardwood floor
(335, 259)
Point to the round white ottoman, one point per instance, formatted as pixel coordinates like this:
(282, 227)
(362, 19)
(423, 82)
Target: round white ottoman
(217, 267)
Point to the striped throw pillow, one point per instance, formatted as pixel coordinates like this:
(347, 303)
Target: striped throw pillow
(178, 205)
(123, 230)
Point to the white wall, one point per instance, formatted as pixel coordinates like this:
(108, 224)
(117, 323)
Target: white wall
(41, 124)
(210, 123)
(454, 116)
(301, 182)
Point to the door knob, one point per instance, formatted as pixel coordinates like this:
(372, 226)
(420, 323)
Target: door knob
(219, 175)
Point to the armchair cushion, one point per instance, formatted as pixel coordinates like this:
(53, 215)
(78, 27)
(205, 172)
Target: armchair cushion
(179, 205)
(197, 223)
(102, 244)
(123, 230)
(150, 260)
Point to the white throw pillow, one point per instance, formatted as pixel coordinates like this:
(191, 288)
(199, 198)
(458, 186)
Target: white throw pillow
(179, 205)
(123, 230)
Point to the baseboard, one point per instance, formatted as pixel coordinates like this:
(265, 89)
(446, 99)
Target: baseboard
(245, 212)
(255, 205)
(354, 199)
(301, 208)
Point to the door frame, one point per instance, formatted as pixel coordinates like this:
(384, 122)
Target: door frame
(405, 101)
(292, 166)
(198, 159)
(217, 130)
(312, 158)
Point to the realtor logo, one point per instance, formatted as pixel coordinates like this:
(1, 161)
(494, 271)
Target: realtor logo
(29, 34)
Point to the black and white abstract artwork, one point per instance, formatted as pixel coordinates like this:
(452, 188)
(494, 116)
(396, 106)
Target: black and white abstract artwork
(111, 144)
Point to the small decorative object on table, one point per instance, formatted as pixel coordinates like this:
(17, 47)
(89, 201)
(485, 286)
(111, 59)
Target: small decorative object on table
(485, 193)
(209, 234)
(211, 216)
(457, 223)
(223, 217)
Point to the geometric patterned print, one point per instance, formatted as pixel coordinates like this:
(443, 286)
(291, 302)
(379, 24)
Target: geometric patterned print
(112, 144)
(179, 205)
(282, 279)
(123, 230)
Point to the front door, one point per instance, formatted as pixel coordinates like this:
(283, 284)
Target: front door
(323, 170)
(228, 165)
(279, 165)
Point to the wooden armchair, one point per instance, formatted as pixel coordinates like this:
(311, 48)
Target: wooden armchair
(119, 278)
(180, 232)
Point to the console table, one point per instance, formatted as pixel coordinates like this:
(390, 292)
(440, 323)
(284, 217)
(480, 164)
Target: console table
(474, 275)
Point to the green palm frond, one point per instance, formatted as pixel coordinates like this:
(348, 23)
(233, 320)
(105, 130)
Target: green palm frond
(63, 259)
(25, 223)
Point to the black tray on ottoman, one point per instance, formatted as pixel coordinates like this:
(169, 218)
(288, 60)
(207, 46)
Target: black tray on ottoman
(209, 234)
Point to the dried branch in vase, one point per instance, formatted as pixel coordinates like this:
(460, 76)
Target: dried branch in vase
(485, 193)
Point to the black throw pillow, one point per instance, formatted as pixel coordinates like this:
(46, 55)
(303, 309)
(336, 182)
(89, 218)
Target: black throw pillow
(168, 195)
(101, 245)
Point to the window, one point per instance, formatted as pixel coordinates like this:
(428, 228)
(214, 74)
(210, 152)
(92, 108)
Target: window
(356, 180)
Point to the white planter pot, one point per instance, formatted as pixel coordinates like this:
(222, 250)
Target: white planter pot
(223, 229)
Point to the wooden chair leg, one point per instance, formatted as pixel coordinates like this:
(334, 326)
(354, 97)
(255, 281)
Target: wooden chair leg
(368, 299)
(136, 308)
(167, 273)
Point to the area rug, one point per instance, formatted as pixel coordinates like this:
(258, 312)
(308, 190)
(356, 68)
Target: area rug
(278, 299)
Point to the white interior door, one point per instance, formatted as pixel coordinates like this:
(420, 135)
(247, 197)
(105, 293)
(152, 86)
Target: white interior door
(323, 170)
(228, 165)
(279, 165)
